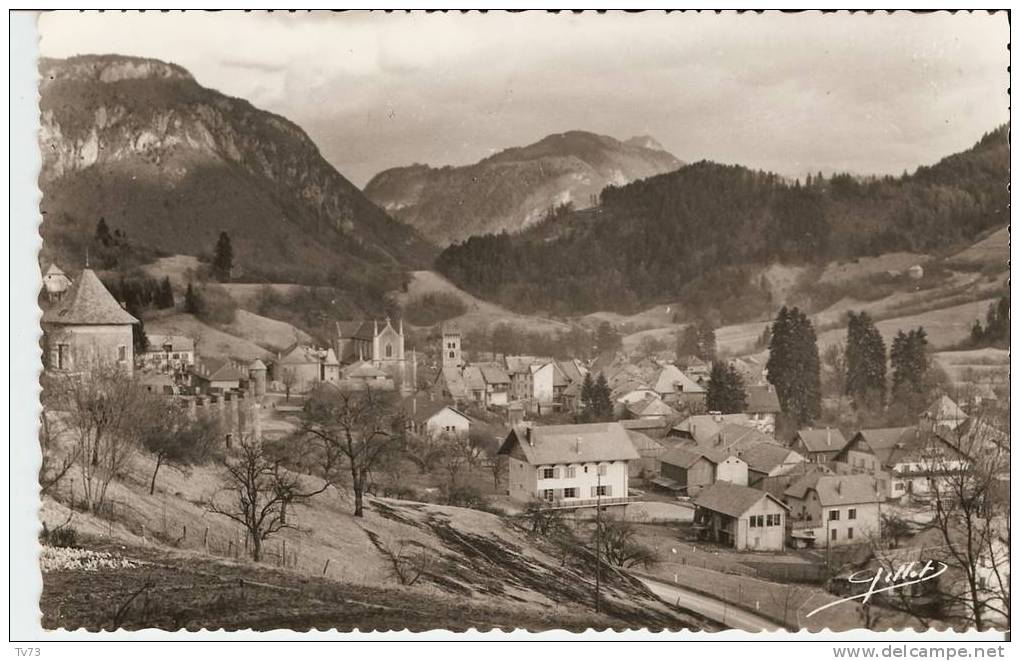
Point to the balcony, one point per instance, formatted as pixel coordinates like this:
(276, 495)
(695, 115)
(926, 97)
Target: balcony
(579, 503)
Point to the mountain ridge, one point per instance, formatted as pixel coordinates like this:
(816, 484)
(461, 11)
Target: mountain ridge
(514, 188)
(139, 143)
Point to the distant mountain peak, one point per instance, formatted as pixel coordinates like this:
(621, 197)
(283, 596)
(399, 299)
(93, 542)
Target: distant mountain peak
(514, 188)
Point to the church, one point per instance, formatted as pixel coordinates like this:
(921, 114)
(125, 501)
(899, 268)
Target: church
(380, 345)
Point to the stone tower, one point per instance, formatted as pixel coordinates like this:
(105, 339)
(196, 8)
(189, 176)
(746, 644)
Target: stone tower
(451, 347)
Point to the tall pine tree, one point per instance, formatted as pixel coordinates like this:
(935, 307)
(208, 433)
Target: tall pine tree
(793, 365)
(865, 361)
(726, 392)
(223, 260)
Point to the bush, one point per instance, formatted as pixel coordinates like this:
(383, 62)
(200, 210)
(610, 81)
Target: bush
(62, 536)
(470, 497)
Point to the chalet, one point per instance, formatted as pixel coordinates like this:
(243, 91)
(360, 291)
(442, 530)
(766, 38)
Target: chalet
(841, 509)
(690, 469)
(210, 375)
(762, 407)
(497, 385)
(766, 460)
(676, 387)
(819, 445)
(944, 412)
(746, 519)
(434, 417)
(518, 370)
(168, 354)
(87, 328)
(549, 382)
(569, 465)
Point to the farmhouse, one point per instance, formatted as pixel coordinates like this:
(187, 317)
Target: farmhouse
(819, 445)
(706, 428)
(691, 469)
(434, 417)
(841, 509)
(87, 329)
(569, 465)
(210, 375)
(944, 412)
(746, 519)
(650, 451)
(651, 409)
(766, 460)
(676, 387)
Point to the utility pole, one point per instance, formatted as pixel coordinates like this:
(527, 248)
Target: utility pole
(598, 540)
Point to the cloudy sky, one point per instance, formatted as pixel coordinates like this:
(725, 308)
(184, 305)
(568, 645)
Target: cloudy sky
(790, 93)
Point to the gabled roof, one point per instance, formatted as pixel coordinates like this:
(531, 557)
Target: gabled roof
(889, 443)
(765, 457)
(822, 440)
(521, 364)
(472, 377)
(944, 409)
(572, 444)
(454, 382)
(762, 399)
(645, 423)
(670, 380)
(494, 375)
(703, 428)
(737, 438)
(53, 269)
(653, 407)
(88, 303)
(217, 369)
(176, 342)
(361, 330)
(642, 442)
(572, 369)
(687, 456)
(364, 370)
(257, 365)
(421, 407)
(835, 490)
(300, 354)
(732, 499)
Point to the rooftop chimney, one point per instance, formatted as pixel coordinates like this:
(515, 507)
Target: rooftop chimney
(839, 486)
(578, 445)
(828, 436)
(527, 435)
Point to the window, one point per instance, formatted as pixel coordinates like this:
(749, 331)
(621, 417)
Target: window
(603, 469)
(389, 350)
(851, 514)
(548, 473)
(122, 352)
(62, 356)
(452, 355)
(548, 495)
(834, 535)
(833, 515)
(773, 519)
(571, 471)
(849, 533)
(570, 492)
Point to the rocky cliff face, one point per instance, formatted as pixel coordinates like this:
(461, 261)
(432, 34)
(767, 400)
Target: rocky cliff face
(516, 187)
(139, 143)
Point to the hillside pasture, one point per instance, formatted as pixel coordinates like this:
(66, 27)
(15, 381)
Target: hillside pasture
(209, 341)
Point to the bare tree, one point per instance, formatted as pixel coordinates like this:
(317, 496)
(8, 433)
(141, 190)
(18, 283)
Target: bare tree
(256, 491)
(968, 467)
(55, 465)
(288, 378)
(409, 562)
(620, 546)
(105, 409)
(179, 441)
(455, 455)
(355, 431)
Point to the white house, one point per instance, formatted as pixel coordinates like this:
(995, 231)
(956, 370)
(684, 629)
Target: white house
(746, 519)
(569, 465)
(841, 509)
(434, 417)
(168, 353)
(548, 383)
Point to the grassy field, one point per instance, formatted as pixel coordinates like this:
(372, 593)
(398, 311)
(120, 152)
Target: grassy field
(209, 341)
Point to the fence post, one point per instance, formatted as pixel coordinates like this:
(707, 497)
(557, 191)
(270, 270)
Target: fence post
(325, 567)
(284, 557)
(205, 539)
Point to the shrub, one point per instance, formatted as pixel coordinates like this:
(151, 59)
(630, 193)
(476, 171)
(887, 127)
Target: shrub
(433, 308)
(62, 536)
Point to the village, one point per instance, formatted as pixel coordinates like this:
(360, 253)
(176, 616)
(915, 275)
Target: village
(737, 505)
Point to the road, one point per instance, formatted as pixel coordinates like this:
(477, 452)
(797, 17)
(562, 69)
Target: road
(714, 609)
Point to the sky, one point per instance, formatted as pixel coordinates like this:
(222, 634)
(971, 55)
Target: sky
(867, 94)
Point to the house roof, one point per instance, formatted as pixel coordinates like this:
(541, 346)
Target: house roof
(53, 269)
(176, 342)
(889, 443)
(520, 364)
(364, 370)
(670, 380)
(765, 457)
(494, 375)
(473, 379)
(944, 408)
(687, 456)
(217, 369)
(454, 381)
(653, 407)
(732, 499)
(703, 428)
(421, 407)
(257, 365)
(571, 369)
(822, 440)
(300, 354)
(88, 303)
(642, 442)
(846, 489)
(645, 423)
(572, 444)
(762, 399)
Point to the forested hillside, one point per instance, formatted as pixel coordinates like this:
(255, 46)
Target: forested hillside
(699, 234)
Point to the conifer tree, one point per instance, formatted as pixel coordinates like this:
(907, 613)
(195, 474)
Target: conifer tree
(587, 398)
(166, 294)
(726, 392)
(602, 403)
(192, 300)
(865, 361)
(794, 367)
(223, 261)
